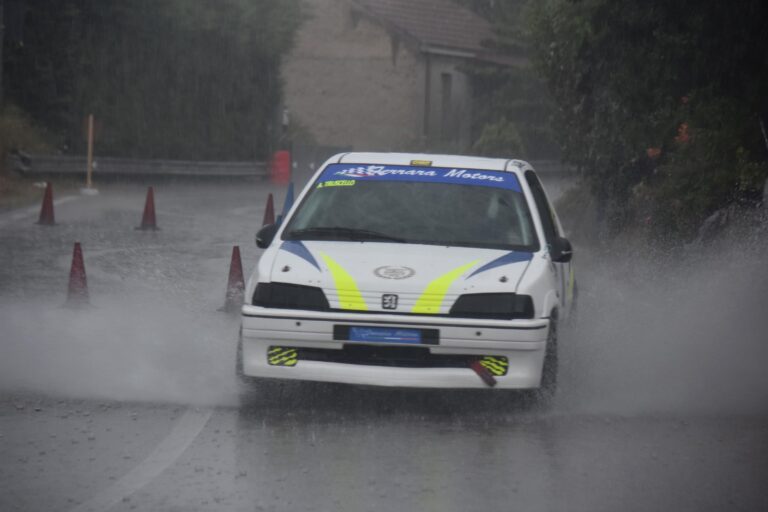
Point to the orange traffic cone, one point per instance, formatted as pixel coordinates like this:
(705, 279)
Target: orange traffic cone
(148, 220)
(269, 212)
(235, 284)
(77, 293)
(46, 210)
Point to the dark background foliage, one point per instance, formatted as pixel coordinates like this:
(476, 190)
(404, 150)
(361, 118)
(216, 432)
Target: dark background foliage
(164, 78)
(659, 104)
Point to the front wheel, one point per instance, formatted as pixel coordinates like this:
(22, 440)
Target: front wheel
(543, 395)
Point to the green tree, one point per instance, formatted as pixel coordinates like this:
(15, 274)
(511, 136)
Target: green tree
(164, 78)
(659, 103)
(512, 106)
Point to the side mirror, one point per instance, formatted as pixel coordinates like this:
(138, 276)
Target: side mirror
(561, 250)
(265, 235)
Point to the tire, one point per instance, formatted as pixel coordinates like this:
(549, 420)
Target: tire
(573, 313)
(548, 388)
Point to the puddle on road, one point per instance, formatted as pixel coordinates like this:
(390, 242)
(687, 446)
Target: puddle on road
(135, 349)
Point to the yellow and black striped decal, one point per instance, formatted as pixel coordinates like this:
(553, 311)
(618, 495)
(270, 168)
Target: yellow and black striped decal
(495, 364)
(281, 356)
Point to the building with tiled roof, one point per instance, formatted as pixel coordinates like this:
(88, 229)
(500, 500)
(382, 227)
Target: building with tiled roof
(437, 26)
(385, 74)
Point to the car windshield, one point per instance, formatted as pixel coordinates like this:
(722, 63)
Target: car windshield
(451, 207)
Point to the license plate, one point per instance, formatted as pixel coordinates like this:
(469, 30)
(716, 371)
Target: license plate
(385, 335)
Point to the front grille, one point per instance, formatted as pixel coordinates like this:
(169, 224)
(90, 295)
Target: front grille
(395, 356)
(403, 357)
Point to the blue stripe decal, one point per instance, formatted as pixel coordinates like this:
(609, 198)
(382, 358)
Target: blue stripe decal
(300, 250)
(288, 204)
(512, 257)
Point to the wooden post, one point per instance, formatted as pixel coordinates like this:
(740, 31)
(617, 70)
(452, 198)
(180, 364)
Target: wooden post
(88, 180)
(88, 190)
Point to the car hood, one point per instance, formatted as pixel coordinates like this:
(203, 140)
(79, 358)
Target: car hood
(427, 279)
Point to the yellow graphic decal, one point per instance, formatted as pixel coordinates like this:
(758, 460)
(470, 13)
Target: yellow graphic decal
(496, 365)
(569, 293)
(279, 356)
(349, 294)
(431, 300)
(337, 183)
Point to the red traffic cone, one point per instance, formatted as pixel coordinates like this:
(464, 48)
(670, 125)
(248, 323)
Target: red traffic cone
(148, 220)
(269, 212)
(235, 284)
(77, 293)
(46, 210)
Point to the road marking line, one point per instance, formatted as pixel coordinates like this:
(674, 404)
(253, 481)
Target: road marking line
(17, 215)
(165, 453)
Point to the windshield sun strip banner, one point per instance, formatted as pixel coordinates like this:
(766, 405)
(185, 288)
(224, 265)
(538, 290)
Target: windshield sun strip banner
(346, 287)
(348, 174)
(431, 301)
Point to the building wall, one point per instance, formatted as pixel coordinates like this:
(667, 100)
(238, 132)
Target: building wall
(449, 122)
(344, 85)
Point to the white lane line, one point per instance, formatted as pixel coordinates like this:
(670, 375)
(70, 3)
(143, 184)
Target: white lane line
(22, 213)
(175, 443)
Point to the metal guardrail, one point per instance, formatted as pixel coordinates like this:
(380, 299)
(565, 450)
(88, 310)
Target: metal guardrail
(128, 167)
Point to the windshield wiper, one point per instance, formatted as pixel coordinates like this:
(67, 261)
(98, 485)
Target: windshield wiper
(330, 233)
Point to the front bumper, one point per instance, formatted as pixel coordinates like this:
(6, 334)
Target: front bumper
(521, 342)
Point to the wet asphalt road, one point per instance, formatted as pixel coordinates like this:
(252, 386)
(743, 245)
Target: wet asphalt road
(131, 404)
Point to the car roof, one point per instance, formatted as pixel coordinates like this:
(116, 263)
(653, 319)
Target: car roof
(466, 162)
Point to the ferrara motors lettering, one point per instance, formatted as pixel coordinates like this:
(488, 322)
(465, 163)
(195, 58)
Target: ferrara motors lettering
(411, 173)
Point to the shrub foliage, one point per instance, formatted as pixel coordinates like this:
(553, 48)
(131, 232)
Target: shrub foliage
(662, 105)
(164, 78)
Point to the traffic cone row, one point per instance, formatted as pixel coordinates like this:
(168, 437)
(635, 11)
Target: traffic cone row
(77, 290)
(148, 219)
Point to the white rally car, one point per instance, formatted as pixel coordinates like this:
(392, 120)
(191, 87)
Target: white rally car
(411, 270)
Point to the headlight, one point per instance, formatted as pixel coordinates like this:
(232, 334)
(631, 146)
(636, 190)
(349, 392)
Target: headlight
(501, 306)
(289, 296)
